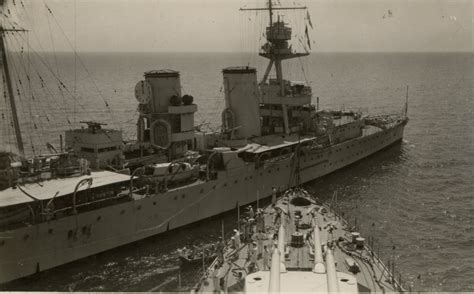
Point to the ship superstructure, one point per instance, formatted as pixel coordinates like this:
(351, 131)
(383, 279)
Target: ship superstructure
(100, 192)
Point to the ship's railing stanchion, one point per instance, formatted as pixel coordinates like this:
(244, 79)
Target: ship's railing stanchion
(203, 261)
(258, 199)
(238, 216)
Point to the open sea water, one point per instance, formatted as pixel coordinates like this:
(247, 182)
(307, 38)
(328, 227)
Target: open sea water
(415, 199)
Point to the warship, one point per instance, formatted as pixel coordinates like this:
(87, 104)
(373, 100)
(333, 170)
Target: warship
(97, 192)
(297, 244)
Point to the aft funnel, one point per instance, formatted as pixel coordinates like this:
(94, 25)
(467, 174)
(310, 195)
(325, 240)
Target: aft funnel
(241, 115)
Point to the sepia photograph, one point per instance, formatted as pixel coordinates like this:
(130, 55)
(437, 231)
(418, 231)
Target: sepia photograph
(237, 146)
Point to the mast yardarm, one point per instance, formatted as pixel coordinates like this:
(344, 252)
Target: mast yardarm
(277, 48)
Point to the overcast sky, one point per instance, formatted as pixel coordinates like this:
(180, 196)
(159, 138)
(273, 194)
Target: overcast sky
(218, 25)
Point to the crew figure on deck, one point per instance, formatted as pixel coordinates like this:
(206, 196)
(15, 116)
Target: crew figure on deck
(260, 221)
(250, 212)
(274, 195)
(236, 237)
(266, 258)
(220, 249)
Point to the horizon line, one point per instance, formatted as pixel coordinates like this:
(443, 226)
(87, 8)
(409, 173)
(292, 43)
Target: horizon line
(240, 52)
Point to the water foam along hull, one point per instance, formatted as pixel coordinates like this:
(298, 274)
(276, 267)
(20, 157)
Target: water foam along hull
(28, 250)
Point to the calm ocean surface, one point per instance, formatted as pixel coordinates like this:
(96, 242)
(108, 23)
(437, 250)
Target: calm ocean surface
(415, 199)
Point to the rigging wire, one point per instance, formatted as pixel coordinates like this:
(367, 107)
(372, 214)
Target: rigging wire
(75, 56)
(7, 118)
(52, 40)
(58, 79)
(30, 92)
(44, 85)
(56, 74)
(46, 64)
(18, 84)
(81, 62)
(52, 44)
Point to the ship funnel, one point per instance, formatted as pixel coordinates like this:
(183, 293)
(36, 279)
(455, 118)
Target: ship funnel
(166, 119)
(274, 286)
(165, 84)
(281, 248)
(333, 286)
(241, 115)
(318, 254)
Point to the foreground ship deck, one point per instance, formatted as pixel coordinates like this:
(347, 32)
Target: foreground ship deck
(298, 245)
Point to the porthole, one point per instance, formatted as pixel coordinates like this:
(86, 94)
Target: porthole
(154, 202)
(183, 196)
(139, 207)
(175, 197)
(99, 218)
(236, 181)
(225, 184)
(50, 231)
(122, 211)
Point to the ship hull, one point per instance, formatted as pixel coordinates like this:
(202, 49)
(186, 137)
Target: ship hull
(29, 250)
